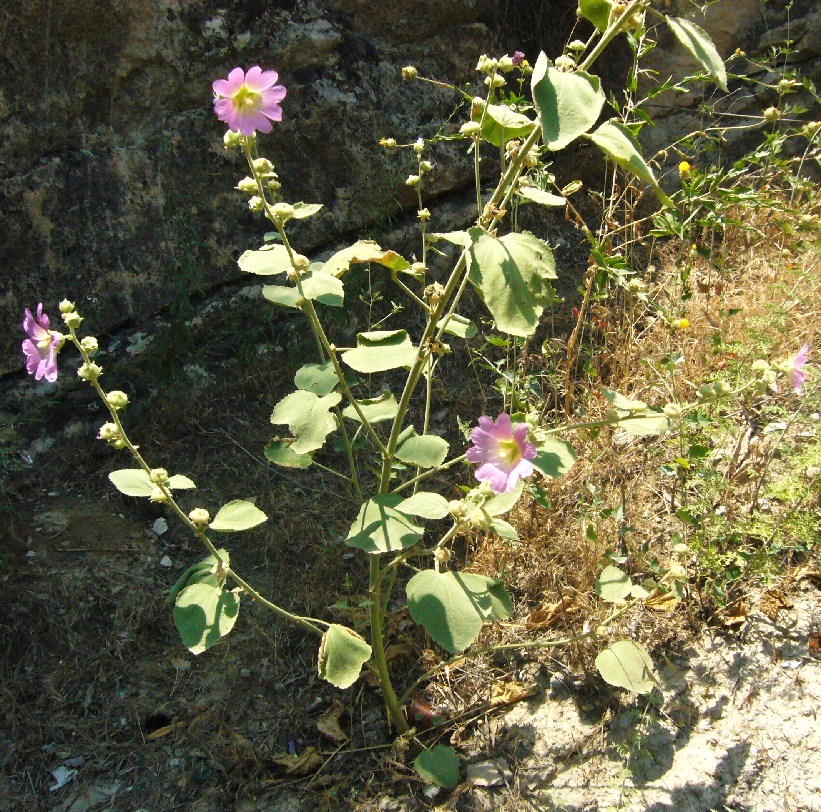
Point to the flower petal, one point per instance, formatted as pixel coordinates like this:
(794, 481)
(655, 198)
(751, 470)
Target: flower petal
(496, 478)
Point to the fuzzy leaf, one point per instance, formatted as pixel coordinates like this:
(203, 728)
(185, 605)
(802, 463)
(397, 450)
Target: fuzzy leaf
(303, 210)
(269, 260)
(342, 654)
(380, 528)
(364, 251)
(202, 571)
(180, 482)
(309, 418)
(383, 407)
(540, 196)
(626, 664)
(554, 457)
(458, 326)
(569, 104)
(380, 350)
(613, 585)
(204, 613)
(453, 606)
(421, 450)
(511, 276)
(282, 295)
(439, 766)
(320, 379)
(132, 482)
(502, 122)
(502, 503)
(698, 42)
(620, 145)
(237, 515)
(280, 452)
(425, 504)
(597, 11)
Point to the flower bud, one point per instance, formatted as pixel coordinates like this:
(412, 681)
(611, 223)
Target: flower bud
(759, 367)
(423, 215)
(283, 212)
(706, 393)
(565, 63)
(409, 72)
(456, 508)
(158, 495)
(89, 344)
(301, 262)
(722, 389)
(772, 114)
(108, 432)
(471, 128)
(786, 85)
(419, 146)
(262, 165)
(412, 180)
(274, 185)
(739, 52)
(425, 166)
(388, 143)
(66, 306)
(159, 476)
(572, 188)
(72, 320)
(495, 81)
(531, 158)
(673, 411)
(199, 517)
(577, 45)
(434, 293)
(247, 185)
(486, 489)
(442, 555)
(506, 64)
(232, 139)
(116, 399)
(256, 204)
(90, 371)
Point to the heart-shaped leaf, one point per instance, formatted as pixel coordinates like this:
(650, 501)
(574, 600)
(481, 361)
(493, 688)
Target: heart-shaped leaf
(425, 504)
(342, 654)
(613, 585)
(380, 350)
(380, 528)
(421, 450)
(320, 379)
(554, 457)
(281, 452)
(364, 251)
(440, 766)
(236, 516)
(269, 260)
(383, 407)
(626, 664)
(132, 482)
(309, 418)
(204, 613)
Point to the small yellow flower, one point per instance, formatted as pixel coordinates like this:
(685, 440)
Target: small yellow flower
(680, 324)
(684, 170)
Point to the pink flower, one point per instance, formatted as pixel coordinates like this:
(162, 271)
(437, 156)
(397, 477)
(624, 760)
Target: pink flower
(796, 365)
(245, 101)
(503, 451)
(518, 57)
(40, 348)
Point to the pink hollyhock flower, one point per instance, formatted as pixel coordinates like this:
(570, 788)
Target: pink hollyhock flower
(245, 101)
(40, 348)
(503, 451)
(796, 364)
(518, 57)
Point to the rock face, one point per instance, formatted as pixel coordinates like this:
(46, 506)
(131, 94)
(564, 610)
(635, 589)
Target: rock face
(115, 189)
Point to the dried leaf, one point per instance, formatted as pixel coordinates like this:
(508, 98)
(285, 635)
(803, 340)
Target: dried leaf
(661, 601)
(814, 643)
(307, 762)
(771, 602)
(398, 650)
(165, 730)
(805, 572)
(328, 723)
(549, 613)
(421, 713)
(736, 615)
(508, 693)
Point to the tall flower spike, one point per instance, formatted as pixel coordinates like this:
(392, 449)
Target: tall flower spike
(246, 101)
(41, 346)
(503, 450)
(797, 364)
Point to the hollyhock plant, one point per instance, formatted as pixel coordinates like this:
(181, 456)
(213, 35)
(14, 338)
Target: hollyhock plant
(518, 57)
(503, 450)
(41, 346)
(246, 101)
(796, 368)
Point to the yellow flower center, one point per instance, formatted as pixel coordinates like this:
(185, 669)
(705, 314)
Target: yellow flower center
(246, 97)
(509, 451)
(44, 343)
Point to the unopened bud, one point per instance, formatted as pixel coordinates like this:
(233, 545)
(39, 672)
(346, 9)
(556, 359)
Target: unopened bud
(158, 495)
(388, 143)
(262, 165)
(565, 63)
(301, 262)
(419, 146)
(577, 45)
(247, 185)
(159, 476)
(531, 159)
(425, 166)
(66, 306)
(673, 411)
(506, 64)
(116, 399)
(72, 319)
(409, 72)
(90, 371)
(759, 367)
(786, 85)
(274, 185)
(772, 114)
(200, 517)
(495, 81)
(706, 393)
(423, 215)
(471, 128)
(456, 508)
(434, 293)
(232, 139)
(442, 555)
(722, 389)
(89, 344)
(283, 211)
(486, 489)
(256, 204)
(412, 180)
(108, 432)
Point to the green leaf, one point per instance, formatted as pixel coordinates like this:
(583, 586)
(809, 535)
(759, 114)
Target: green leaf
(453, 606)
(529, 193)
(384, 407)
(503, 529)
(421, 450)
(203, 613)
(323, 288)
(501, 121)
(180, 482)
(280, 452)
(502, 503)
(613, 585)
(237, 515)
(380, 528)
(380, 350)
(320, 379)
(554, 457)
(425, 504)
(283, 295)
(364, 251)
(132, 482)
(626, 664)
(636, 417)
(620, 145)
(438, 766)
(569, 104)
(698, 42)
(458, 326)
(201, 572)
(342, 654)
(511, 276)
(309, 418)
(597, 11)
(303, 210)
(269, 260)
(456, 237)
